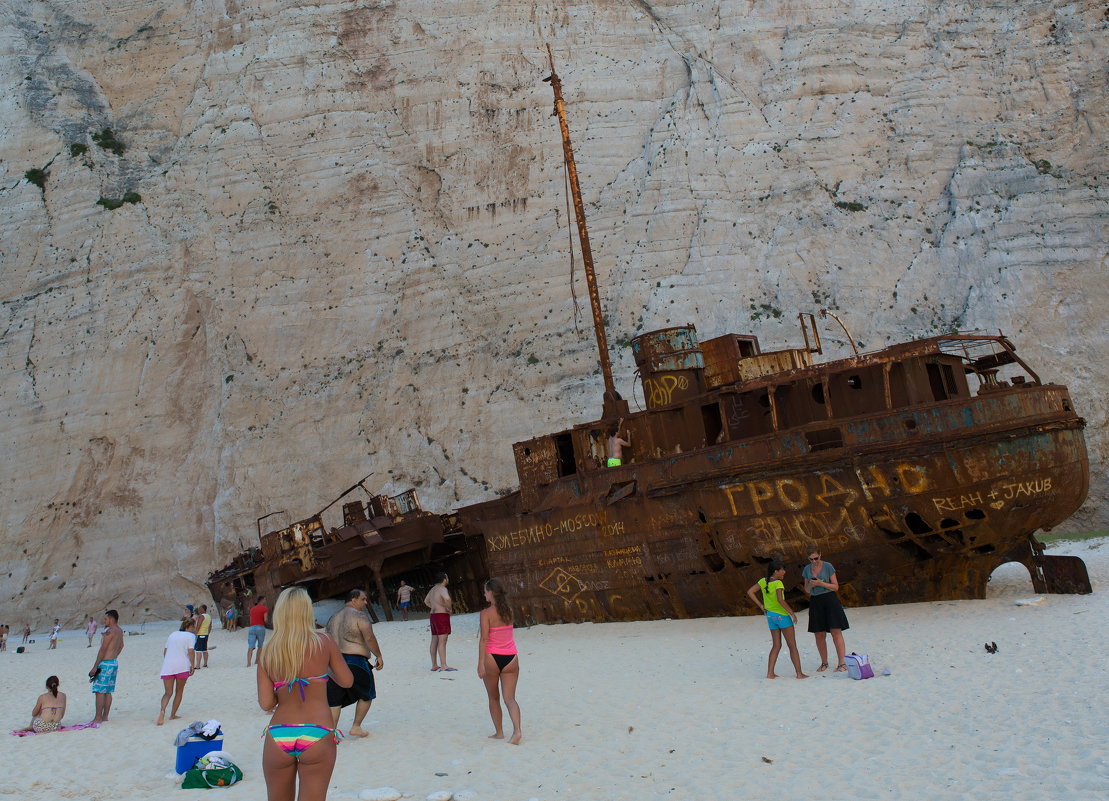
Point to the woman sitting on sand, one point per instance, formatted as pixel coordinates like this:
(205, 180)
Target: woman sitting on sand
(779, 617)
(292, 681)
(49, 710)
(498, 663)
(825, 611)
(177, 667)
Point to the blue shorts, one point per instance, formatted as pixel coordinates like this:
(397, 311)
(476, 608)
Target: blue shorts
(105, 681)
(404, 604)
(255, 636)
(777, 621)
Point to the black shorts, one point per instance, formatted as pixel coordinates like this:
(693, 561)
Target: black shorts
(363, 688)
(826, 613)
(201, 643)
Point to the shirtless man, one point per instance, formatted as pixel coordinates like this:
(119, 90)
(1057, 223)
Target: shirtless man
(438, 600)
(353, 632)
(616, 445)
(106, 666)
(404, 599)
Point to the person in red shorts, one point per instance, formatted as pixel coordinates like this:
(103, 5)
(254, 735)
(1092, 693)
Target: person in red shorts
(438, 600)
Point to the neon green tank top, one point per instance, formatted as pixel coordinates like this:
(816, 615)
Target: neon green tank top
(770, 596)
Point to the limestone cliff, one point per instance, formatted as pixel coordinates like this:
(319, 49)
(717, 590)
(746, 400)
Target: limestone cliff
(253, 251)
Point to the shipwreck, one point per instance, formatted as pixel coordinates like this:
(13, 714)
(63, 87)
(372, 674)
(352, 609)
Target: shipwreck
(381, 539)
(916, 469)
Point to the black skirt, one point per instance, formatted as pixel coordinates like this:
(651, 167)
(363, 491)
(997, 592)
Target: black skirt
(826, 613)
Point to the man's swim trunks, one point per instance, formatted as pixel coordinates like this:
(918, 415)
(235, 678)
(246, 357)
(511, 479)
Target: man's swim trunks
(106, 679)
(614, 462)
(440, 623)
(363, 688)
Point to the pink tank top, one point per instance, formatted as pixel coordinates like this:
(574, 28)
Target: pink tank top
(500, 640)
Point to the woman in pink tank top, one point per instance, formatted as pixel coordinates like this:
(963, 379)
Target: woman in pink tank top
(498, 663)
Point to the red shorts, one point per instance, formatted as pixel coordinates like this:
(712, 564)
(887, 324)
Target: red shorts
(440, 623)
(184, 675)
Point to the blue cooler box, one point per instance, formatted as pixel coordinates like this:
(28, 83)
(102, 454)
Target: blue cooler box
(194, 749)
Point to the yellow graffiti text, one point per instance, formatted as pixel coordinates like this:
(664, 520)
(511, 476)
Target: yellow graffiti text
(660, 389)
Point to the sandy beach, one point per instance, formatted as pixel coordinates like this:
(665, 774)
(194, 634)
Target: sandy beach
(656, 710)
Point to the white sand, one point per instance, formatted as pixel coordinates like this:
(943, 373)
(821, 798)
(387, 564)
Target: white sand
(660, 710)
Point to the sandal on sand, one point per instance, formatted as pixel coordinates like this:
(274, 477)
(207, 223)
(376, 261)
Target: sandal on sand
(436, 669)
(841, 668)
(822, 668)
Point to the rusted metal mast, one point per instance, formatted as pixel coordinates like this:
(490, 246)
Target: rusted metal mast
(612, 397)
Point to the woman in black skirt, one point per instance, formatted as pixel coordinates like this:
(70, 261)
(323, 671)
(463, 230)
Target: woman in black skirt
(825, 611)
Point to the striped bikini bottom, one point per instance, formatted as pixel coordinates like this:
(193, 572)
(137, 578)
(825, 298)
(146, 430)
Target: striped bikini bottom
(295, 739)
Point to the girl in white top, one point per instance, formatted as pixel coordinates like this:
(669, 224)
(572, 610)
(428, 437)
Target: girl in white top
(177, 666)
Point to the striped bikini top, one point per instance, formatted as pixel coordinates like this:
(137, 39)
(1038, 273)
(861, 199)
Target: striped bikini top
(301, 683)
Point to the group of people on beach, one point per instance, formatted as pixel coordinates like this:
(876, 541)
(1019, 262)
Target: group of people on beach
(305, 677)
(826, 615)
(50, 707)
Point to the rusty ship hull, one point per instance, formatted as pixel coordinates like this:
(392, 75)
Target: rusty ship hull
(381, 539)
(919, 500)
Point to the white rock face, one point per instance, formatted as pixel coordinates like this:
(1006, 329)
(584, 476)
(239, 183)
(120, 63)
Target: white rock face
(340, 245)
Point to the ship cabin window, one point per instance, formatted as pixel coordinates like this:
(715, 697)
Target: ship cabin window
(714, 426)
(748, 414)
(942, 379)
(899, 385)
(799, 403)
(857, 391)
(564, 445)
